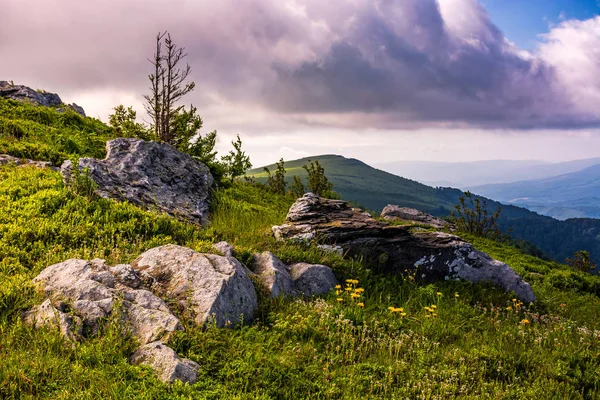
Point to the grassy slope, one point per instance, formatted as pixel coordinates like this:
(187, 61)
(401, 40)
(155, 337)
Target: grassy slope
(374, 189)
(474, 348)
(368, 186)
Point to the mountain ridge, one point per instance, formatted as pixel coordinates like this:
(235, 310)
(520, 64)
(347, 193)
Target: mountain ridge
(374, 189)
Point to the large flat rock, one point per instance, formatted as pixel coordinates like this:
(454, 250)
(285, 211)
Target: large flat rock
(429, 255)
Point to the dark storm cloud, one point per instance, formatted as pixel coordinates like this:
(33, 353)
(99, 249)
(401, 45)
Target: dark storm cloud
(361, 63)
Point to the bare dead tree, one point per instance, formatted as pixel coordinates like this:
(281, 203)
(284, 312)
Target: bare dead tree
(167, 86)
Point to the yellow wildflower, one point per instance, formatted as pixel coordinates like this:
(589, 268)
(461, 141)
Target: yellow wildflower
(359, 290)
(508, 308)
(390, 308)
(439, 293)
(349, 289)
(428, 315)
(525, 321)
(340, 299)
(355, 295)
(435, 314)
(403, 314)
(433, 306)
(338, 286)
(361, 304)
(456, 295)
(514, 300)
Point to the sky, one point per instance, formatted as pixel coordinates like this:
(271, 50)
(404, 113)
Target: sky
(378, 80)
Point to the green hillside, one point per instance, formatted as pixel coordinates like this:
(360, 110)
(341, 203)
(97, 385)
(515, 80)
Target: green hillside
(479, 344)
(368, 186)
(374, 189)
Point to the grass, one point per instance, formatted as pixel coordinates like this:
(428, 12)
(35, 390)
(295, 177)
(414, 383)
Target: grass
(325, 348)
(449, 340)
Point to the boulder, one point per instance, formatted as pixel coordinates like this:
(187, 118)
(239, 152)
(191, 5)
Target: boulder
(28, 95)
(397, 213)
(166, 363)
(6, 159)
(273, 274)
(91, 291)
(312, 279)
(151, 175)
(430, 256)
(213, 288)
(296, 279)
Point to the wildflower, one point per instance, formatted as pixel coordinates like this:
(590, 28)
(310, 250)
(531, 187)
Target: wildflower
(338, 286)
(514, 300)
(434, 306)
(525, 322)
(428, 315)
(508, 308)
(435, 314)
(355, 295)
(403, 314)
(439, 293)
(340, 299)
(391, 308)
(359, 290)
(361, 304)
(563, 305)
(456, 295)
(348, 289)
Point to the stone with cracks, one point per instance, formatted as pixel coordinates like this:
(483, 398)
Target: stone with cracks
(93, 292)
(210, 287)
(430, 256)
(397, 213)
(166, 363)
(151, 175)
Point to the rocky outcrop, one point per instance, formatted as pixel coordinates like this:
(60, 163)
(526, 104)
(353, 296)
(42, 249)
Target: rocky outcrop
(151, 175)
(6, 159)
(397, 213)
(429, 256)
(27, 94)
(82, 295)
(166, 363)
(212, 288)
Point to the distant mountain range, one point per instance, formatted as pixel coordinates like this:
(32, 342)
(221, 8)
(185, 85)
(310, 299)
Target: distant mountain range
(470, 174)
(572, 195)
(374, 189)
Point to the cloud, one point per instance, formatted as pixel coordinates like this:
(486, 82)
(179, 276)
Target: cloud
(263, 65)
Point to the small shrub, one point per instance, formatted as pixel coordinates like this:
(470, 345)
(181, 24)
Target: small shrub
(471, 215)
(581, 261)
(81, 182)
